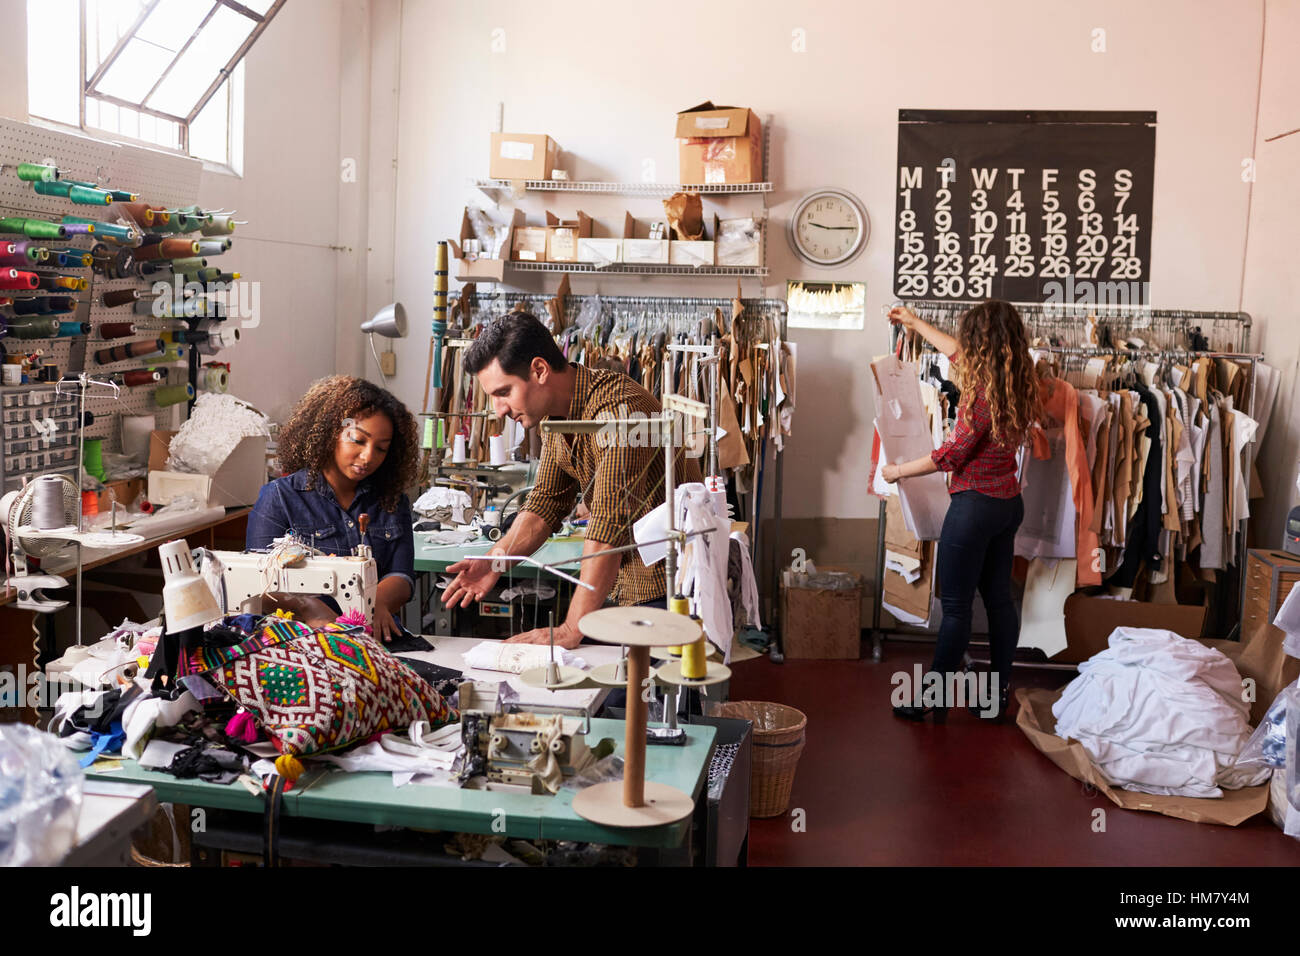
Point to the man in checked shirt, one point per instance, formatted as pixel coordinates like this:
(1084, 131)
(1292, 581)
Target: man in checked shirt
(620, 474)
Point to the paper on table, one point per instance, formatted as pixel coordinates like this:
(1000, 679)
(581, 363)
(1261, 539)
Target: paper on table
(159, 753)
(517, 658)
(1043, 611)
(905, 435)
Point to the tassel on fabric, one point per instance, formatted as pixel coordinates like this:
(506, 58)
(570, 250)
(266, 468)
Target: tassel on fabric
(288, 766)
(242, 728)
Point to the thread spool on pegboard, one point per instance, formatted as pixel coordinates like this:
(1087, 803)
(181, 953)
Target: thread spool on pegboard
(215, 379)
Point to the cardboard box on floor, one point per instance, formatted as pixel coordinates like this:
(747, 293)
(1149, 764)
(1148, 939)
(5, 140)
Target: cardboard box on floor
(820, 623)
(1089, 622)
(237, 482)
(719, 144)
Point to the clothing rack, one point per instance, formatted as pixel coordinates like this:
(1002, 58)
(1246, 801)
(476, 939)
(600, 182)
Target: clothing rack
(1165, 334)
(670, 314)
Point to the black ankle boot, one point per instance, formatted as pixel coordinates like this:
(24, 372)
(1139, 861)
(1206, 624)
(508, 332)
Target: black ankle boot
(940, 714)
(1004, 704)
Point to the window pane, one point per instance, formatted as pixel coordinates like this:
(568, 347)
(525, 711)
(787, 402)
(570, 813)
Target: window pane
(53, 45)
(108, 117)
(128, 122)
(209, 130)
(135, 71)
(148, 128)
(106, 22)
(173, 22)
(200, 64)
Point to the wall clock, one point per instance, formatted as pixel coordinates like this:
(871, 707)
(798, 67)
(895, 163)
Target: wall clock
(829, 227)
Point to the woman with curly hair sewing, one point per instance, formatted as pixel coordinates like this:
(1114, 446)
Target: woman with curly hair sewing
(349, 449)
(1000, 402)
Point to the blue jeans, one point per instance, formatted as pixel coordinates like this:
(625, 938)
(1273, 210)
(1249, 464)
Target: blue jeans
(975, 551)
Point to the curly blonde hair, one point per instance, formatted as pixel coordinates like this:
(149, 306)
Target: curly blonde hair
(307, 441)
(995, 363)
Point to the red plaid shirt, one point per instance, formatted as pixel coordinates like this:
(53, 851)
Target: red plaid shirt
(977, 462)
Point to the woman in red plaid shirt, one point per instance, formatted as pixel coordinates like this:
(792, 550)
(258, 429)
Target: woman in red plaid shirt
(999, 404)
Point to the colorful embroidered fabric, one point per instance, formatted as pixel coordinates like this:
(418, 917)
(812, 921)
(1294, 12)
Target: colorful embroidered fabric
(316, 689)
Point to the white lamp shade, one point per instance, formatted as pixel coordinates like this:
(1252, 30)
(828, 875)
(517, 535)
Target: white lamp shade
(187, 600)
(390, 322)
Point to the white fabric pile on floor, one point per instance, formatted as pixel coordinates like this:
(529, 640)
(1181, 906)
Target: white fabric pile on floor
(1160, 714)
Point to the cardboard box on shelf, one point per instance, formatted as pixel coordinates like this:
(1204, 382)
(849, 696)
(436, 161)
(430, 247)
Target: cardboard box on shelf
(719, 144)
(485, 267)
(600, 251)
(528, 156)
(821, 614)
(563, 236)
(528, 244)
(236, 483)
(638, 251)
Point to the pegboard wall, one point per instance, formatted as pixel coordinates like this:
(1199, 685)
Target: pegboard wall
(160, 179)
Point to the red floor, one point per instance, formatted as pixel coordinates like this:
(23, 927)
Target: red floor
(878, 791)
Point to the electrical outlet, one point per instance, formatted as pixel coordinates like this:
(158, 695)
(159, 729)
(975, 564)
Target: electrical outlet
(388, 363)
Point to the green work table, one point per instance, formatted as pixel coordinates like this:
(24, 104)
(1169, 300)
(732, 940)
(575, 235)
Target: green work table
(371, 798)
(439, 557)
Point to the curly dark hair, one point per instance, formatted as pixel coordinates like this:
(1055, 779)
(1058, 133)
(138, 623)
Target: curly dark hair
(308, 439)
(995, 360)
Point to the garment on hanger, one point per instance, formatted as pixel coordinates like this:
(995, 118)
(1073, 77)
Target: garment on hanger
(1143, 544)
(1061, 402)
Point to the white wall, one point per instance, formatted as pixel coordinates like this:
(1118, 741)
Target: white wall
(605, 82)
(1272, 283)
(292, 194)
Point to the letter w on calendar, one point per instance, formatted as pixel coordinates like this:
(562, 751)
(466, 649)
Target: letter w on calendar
(905, 434)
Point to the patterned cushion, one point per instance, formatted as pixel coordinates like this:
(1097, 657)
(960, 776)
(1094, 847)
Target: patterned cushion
(316, 689)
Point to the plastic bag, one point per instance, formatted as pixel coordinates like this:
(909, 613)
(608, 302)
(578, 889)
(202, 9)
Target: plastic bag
(40, 797)
(1267, 745)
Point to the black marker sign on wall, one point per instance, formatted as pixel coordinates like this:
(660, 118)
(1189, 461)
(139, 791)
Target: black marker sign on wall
(1024, 206)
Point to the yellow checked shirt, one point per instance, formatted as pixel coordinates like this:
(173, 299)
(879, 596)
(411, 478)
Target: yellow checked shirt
(620, 471)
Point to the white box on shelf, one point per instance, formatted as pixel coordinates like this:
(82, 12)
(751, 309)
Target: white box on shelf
(645, 251)
(690, 252)
(600, 251)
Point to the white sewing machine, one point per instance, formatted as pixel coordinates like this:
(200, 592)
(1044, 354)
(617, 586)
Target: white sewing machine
(351, 580)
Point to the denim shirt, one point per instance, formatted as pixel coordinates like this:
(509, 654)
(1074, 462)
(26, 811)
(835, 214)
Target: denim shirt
(315, 515)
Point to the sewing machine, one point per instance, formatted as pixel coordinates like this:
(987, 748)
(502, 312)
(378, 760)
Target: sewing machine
(351, 580)
(523, 751)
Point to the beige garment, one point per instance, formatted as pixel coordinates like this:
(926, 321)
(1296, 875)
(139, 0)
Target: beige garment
(1101, 479)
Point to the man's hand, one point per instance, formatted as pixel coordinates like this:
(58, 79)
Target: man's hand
(566, 636)
(890, 473)
(386, 626)
(474, 579)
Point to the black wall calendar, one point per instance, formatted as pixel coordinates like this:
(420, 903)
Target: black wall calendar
(1024, 206)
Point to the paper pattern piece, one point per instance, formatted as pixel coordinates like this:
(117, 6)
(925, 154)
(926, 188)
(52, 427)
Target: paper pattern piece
(904, 436)
(1043, 611)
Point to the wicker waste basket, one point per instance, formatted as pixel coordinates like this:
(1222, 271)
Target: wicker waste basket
(778, 742)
